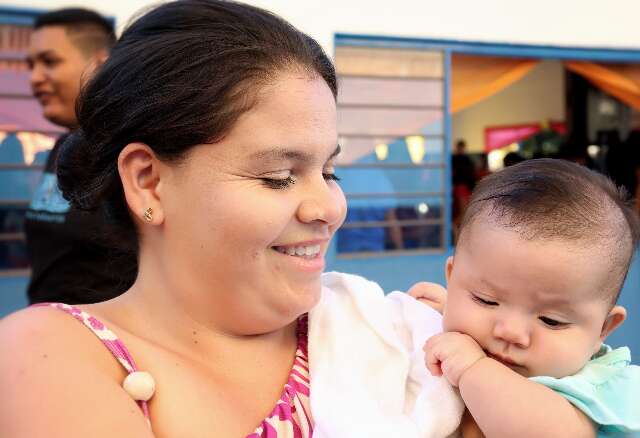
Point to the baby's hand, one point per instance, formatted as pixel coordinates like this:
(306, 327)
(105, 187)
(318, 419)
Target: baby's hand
(451, 354)
(431, 294)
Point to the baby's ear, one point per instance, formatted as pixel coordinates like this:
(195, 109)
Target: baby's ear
(615, 318)
(448, 268)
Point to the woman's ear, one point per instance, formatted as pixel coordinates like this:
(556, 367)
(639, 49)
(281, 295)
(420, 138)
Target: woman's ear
(614, 319)
(139, 170)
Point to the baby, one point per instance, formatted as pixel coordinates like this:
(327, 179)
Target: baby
(543, 251)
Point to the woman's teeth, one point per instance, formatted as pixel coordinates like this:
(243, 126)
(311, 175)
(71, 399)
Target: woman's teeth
(299, 251)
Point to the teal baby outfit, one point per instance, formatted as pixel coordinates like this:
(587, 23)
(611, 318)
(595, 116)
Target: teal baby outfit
(607, 390)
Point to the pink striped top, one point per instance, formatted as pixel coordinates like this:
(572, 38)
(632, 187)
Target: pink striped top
(290, 418)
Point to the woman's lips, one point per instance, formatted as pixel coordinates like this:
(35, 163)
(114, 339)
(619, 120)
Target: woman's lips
(312, 261)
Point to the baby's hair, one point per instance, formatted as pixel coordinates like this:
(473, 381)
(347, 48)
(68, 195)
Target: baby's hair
(557, 200)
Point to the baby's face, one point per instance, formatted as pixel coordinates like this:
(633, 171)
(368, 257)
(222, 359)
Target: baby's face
(535, 306)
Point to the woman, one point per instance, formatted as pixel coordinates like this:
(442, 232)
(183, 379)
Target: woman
(209, 136)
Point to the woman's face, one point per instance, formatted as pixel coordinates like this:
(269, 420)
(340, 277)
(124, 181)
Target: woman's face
(249, 218)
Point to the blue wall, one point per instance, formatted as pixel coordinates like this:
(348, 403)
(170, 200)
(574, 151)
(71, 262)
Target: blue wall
(399, 273)
(13, 294)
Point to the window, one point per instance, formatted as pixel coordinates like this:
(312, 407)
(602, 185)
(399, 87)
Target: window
(391, 108)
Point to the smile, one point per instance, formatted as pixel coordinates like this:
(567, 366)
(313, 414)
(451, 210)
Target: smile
(310, 251)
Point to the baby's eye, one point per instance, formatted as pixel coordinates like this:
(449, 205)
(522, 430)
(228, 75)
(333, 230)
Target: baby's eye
(553, 323)
(279, 183)
(482, 301)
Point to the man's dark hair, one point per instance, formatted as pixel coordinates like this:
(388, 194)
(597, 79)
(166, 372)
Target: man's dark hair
(549, 199)
(88, 30)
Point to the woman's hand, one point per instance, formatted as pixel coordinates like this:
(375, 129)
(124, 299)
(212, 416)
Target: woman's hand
(431, 294)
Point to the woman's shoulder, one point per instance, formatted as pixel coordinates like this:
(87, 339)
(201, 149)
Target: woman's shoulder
(54, 336)
(45, 342)
(54, 366)
(41, 327)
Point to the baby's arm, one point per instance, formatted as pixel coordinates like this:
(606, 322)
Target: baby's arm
(503, 403)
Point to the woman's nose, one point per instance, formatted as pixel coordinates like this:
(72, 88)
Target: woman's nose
(324, 202)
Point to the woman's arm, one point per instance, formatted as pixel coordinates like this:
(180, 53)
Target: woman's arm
(503, 403)
(431, 294)
(56, 381)
(469, 427)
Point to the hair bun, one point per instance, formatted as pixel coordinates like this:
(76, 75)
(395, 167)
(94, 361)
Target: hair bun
(76, 174)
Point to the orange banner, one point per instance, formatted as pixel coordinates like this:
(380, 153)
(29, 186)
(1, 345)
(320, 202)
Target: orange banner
(475, 78)
(621, 81)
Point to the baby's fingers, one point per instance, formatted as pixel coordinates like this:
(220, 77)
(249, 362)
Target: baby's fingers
(431, 360)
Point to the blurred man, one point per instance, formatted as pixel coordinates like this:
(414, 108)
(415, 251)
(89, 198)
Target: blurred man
(66, 47)
(68, 263)
(463, 181)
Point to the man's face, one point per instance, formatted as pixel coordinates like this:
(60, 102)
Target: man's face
(57, 70)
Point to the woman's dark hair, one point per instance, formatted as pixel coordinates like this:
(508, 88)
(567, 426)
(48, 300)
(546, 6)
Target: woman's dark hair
(180, 75)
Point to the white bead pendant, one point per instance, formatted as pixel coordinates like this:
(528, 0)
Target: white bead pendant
(139, 385)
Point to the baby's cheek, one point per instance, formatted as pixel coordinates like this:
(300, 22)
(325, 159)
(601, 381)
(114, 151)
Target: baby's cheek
(451, 320)
(556, 360)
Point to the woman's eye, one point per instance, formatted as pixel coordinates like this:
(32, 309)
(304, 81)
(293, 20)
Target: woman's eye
(331, 177)
(279, 183)
(552, 322)
(483, 301)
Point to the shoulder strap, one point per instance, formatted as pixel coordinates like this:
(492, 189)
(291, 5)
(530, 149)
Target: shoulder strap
(106, 336)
